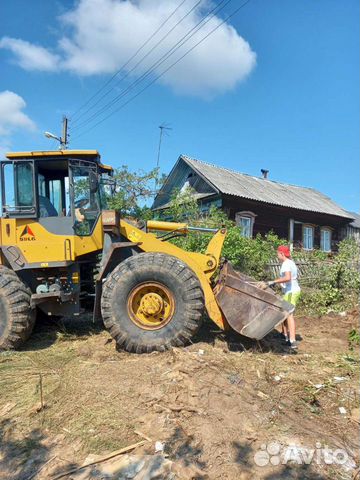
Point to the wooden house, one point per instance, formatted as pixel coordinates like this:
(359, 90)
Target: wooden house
(303, 215)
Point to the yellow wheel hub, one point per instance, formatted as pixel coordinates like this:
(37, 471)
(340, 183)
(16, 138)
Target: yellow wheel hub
(151, 306)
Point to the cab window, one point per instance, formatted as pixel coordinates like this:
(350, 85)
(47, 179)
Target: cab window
(53, 188)
(86, 199)
(18, 196)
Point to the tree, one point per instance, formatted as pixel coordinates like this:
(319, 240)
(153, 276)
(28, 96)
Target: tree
(250, 255)
(132, 190)
(183, 206)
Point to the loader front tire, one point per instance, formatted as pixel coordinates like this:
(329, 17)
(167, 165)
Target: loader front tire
(152, 302)
(17, 318)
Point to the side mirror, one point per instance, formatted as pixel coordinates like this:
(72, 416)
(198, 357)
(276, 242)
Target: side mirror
(93, 182)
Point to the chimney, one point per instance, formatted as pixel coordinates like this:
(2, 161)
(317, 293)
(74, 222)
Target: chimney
(264, 173)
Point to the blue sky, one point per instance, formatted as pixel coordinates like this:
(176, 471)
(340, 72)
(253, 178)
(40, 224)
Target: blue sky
(294, 111)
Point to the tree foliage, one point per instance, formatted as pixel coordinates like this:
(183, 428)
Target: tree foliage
(133, 190)
(250, 255)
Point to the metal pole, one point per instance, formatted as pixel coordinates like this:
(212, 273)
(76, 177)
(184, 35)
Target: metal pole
(64, 138)
(162, 128)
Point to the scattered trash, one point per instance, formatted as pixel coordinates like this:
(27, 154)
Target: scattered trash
(342, 314)
(159, 446)
(277, 378)
(89, 462)
(126, 466)
(339, 379)
(234, 379)
(201, 352)
(342, 410)
(319, 385)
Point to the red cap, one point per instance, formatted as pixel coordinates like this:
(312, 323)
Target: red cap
(285, 250)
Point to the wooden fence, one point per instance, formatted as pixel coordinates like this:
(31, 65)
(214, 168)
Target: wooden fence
(309, 273)
(304, 269)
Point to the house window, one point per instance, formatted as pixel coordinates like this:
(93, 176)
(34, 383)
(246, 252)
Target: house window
(245, 220)
(308, 237)
(325, 240)
(245, 224)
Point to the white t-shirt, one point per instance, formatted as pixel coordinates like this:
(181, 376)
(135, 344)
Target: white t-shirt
(292, 286)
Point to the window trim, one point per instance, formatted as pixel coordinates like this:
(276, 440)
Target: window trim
(326, 229)
(248, 215)
(308, 225)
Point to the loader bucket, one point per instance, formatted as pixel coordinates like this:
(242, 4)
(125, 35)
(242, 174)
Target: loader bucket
(250, 311)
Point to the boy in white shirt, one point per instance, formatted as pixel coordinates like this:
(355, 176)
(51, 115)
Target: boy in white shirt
(291, 290)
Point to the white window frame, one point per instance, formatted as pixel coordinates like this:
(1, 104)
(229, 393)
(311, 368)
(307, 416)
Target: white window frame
(306, 237)
(239, 216)
(322, 231)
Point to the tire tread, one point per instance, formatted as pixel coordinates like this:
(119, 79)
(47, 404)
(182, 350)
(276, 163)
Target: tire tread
(192, 296)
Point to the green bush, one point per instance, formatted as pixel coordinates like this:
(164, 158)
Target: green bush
(249, 255)
(337, 283)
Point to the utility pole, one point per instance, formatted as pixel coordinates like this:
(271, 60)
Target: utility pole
(64, 137)
(163, 129)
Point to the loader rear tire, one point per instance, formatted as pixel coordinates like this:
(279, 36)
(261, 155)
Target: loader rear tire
(17, 318)
(158, 281)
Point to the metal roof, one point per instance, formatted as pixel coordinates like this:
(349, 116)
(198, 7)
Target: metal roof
(264, 190)
(356, 222)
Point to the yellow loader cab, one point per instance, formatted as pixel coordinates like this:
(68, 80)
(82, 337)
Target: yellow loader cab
(62, 251)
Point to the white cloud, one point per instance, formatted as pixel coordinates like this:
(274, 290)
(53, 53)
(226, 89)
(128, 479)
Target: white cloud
(11, 115)
(29, 56)
(102, 34)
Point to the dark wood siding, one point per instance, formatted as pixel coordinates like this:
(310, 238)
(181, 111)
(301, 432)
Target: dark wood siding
(275, 218)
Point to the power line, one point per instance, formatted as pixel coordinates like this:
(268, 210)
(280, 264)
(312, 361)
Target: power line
(160, 61)
(129, 60)
(166, 70)
(144, 57)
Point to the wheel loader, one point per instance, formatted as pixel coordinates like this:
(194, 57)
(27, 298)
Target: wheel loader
(62, 251)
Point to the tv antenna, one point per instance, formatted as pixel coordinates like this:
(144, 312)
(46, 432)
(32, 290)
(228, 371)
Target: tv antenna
(164, 128)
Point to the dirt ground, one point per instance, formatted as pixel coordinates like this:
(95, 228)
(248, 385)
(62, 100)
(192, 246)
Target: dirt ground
(222, 408)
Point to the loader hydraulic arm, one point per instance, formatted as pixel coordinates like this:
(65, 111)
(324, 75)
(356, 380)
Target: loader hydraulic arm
(214, 247)
(155, 225)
